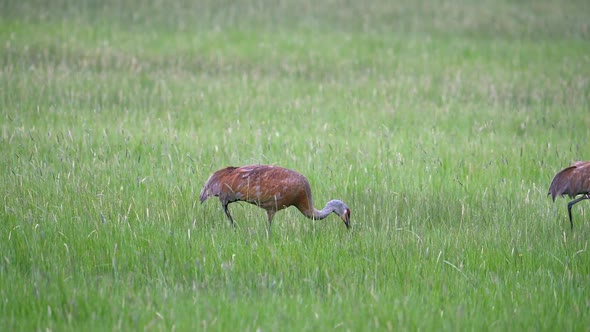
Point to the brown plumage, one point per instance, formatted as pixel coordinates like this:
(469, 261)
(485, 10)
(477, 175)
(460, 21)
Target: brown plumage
(272, 188)
(572, 181)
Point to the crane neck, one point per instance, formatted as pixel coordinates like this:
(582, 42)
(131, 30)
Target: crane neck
(321, 214)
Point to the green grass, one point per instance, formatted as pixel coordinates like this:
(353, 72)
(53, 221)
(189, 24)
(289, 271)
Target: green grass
(440, 124)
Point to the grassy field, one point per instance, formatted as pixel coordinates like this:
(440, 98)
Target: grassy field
(440, 124)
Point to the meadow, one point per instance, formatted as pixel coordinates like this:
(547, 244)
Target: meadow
(440, 124)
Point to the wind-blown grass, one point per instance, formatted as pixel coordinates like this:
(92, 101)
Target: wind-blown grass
(440, 126)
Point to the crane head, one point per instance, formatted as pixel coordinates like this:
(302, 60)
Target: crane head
(341, 210)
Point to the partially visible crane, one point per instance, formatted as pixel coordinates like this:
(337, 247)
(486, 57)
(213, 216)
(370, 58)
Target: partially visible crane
(272, 188)
(572, 181)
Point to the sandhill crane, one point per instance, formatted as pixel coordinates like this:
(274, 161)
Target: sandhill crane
(272, 188)
(572, 181)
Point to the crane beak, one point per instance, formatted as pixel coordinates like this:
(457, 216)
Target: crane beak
(346, 218)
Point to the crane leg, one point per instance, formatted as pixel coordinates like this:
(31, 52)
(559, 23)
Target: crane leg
(269, 214)
(231, 220)
(570, 204)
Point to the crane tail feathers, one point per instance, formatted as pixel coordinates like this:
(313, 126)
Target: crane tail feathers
(204, 195)
(213, 185)
(209, 189)
(555, 187)
(560, 183)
